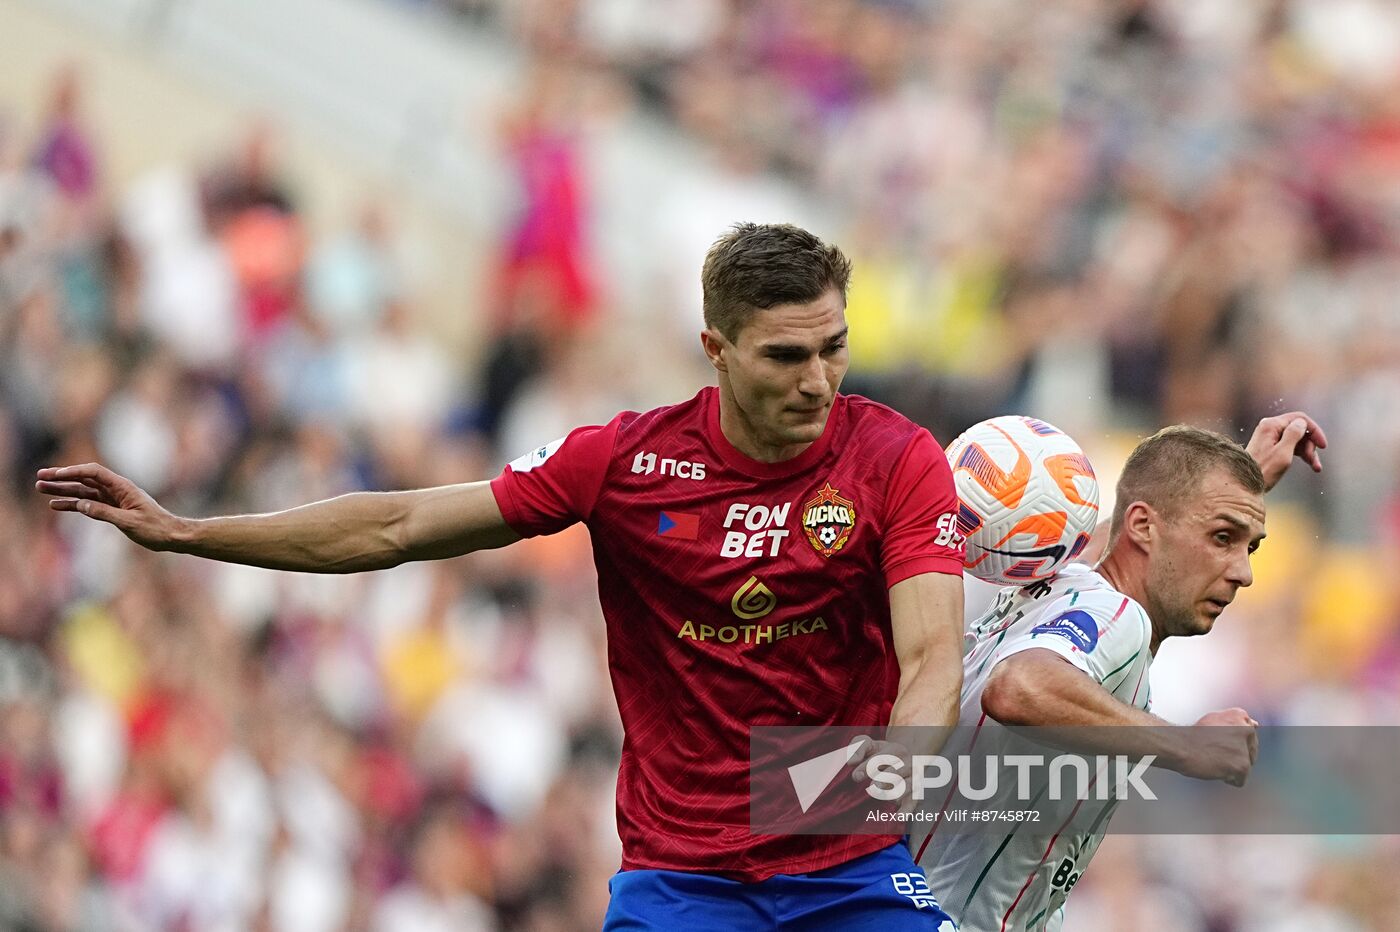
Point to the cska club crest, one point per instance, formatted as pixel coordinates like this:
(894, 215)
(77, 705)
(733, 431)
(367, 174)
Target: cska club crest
(828, 520)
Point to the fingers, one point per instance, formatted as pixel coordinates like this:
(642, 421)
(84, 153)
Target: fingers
(70, 490)
(1303, 436)
(1251, 743)
(1278, 439)
(93, 509)
(89, 481)
(1296, 440)
(869, 749)
(1314, 430)
(1294, 432)
(866, 749)
(94, 472)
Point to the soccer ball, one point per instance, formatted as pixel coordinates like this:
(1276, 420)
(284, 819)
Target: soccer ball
(1028, 498)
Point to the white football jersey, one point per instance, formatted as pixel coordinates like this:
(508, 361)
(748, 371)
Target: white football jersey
(996, 883)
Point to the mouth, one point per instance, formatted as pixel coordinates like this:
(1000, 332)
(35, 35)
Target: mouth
(1218, 604)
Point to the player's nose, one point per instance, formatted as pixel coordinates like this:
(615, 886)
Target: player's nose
(812, 381)
(1240, 573)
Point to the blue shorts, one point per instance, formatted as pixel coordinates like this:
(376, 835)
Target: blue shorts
(880, 892)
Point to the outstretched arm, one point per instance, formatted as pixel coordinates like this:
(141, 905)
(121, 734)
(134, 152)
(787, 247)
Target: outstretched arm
(348, 534)
(1039, 688)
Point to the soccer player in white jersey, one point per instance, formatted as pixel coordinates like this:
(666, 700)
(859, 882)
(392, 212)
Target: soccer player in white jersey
(1076, 652)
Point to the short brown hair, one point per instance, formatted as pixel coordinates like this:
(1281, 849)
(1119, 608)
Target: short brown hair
(1164, 469)
(762, 265)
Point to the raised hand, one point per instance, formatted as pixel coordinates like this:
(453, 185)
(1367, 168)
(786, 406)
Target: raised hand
(1278, 439)
(94, 490)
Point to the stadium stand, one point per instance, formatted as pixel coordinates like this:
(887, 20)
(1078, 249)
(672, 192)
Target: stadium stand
(1113, 215)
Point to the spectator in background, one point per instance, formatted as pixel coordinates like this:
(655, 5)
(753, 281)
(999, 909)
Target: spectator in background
(648, 39)
(26, 221)
(249, 209)
(546, 292)
(71, 238)
(546, 247)
(65, 152)
(439, 895)
(352, 277)
(249, 180)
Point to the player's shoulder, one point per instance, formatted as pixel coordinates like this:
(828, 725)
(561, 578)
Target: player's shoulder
(1078, 586)
(872, 422)
(1081, 602)
(661, 438)
(1017, 609)
(691, 411)
(874, 415)
(671, 439)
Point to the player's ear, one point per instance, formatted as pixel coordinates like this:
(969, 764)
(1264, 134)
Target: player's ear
(714, 344)
(1139, 524)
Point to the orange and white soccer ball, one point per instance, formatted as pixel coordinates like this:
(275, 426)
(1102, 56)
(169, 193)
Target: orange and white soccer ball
(1028, 498)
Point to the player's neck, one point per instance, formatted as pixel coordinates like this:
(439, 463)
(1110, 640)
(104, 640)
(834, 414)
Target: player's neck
(1117, 568)
(746, 438)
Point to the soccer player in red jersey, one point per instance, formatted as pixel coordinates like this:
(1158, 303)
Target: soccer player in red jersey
(769, 552)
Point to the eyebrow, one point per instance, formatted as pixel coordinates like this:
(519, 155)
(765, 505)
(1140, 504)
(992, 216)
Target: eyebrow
(795, 348)
(1237, 524)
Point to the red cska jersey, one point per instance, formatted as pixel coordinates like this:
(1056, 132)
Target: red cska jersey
(739, 593)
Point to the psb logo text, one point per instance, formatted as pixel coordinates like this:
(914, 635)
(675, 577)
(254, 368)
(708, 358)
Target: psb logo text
(646, 464)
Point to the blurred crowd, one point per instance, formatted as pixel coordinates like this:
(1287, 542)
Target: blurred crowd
(1101, 210)
(1109, 213)
(190, 746)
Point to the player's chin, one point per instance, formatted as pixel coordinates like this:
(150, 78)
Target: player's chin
(805, 425)
(1206, 615)
(806, 433)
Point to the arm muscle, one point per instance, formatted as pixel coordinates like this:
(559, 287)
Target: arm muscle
(926, 613)
(356, 532)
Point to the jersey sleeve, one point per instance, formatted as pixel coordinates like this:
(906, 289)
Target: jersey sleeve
(556, 485)
(921, 507)
(1101, 636)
